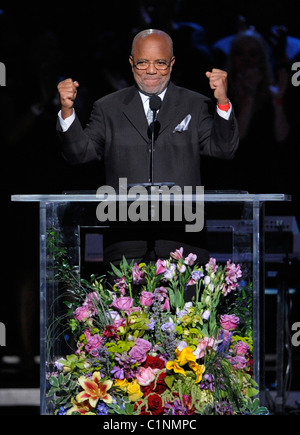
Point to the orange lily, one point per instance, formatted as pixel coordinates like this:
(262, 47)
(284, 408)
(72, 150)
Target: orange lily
(94, 390)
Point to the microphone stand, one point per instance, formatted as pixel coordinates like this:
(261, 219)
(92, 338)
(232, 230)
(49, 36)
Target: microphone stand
(152, 127)
(154, 104)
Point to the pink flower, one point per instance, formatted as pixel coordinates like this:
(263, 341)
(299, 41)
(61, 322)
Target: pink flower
(190, 259)
(91, 298)
(145, 376)
(93, 343)
(241, 348)
(124, 303)
(82, 313)
(140, 350)
(229, 322)
(211, 266)
(166, 305)
(147, 298)
(160, 267)
(238, 362)
(91, 302)
(232, 274)
(121, 282)
(177, 254)
(206, 343)
(137, 274)
(161, 293)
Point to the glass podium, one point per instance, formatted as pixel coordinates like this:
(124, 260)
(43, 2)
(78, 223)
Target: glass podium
(235, 230)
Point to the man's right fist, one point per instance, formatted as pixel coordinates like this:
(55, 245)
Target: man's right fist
(67, 91)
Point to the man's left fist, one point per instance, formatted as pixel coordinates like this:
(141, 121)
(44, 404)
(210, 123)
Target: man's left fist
(218, 82)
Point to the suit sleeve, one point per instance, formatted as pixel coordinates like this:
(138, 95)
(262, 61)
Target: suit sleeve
(218, 137)
(83, 145)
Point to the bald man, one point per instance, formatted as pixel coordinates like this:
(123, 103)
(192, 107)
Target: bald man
(189, 125)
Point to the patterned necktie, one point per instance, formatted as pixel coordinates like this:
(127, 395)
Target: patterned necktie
(149, 116)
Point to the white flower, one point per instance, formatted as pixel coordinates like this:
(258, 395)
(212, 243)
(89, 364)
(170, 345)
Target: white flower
(206, 315)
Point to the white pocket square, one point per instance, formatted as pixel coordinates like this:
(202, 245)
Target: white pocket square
(183, 126)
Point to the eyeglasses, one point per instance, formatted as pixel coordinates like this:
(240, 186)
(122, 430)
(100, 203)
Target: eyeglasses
(160, 65)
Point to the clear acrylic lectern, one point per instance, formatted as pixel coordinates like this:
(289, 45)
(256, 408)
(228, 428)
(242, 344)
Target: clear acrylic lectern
(235, 228)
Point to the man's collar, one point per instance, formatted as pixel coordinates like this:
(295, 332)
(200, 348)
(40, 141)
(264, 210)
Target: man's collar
(146, 96)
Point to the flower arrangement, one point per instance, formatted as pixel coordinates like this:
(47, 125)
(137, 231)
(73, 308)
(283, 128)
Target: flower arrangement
(141, 348)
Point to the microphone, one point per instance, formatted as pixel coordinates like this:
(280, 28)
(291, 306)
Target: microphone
(154, 104)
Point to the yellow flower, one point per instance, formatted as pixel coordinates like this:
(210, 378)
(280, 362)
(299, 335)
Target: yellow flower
(122, 384)
(173, 365)
(134, 391)
(94, 389)
(184, 356)
(198, 370)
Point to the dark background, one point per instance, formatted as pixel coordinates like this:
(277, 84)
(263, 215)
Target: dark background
(44, 43)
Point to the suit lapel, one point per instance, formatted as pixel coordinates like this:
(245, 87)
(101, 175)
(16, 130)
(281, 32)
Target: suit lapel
(134, 112)
(169, 109)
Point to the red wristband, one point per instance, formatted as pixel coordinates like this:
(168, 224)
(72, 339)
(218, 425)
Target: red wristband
(224, 107)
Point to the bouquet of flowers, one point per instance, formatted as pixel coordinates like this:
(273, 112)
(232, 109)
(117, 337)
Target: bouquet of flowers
(143, 348)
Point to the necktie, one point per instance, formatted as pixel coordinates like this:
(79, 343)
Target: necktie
(149, 116)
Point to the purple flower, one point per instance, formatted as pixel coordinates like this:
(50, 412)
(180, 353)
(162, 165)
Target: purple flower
(206, 315)
(140, 350)
(102, 409)
(196, 275)
(118, 372)
(207, 382)
(168, 327)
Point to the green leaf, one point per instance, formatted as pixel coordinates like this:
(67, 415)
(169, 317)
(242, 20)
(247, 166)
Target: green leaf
(61, 379)
(116, 271)
(169, 380)
(54, 381)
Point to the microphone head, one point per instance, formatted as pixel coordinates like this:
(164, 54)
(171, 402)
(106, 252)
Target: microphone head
(155, 102)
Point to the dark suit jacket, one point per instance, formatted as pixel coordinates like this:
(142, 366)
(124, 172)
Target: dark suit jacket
(118, 132)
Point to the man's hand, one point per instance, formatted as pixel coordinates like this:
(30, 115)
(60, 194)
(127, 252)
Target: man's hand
(67, 91)
(218, 82)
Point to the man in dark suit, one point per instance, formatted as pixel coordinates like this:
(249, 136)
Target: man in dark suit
(189, 125)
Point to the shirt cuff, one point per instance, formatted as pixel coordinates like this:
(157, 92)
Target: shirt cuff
(67, 122)
(223, 113)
